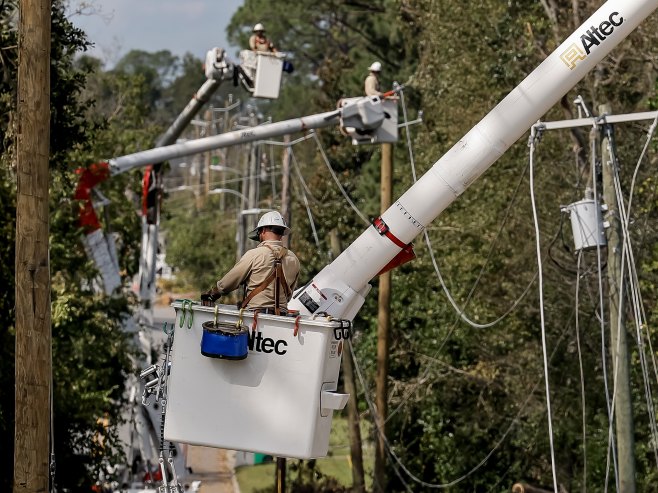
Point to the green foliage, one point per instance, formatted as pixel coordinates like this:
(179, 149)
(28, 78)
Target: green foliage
(200, 244)
(91, 353)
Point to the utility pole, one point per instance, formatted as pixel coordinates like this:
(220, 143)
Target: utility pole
(383, 337)
(623, 409)
(285, 212)
(198, 169)
(356, 453)
(285, 187)
(280, 475)
(206, 174)
(33, 355)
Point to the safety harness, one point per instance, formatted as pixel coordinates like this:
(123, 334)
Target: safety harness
(276, 276)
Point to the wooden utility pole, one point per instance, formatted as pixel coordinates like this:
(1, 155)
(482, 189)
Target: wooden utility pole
(356, 453)
(383, 326)
(280, 475)
(285, 187)
(33, 322)
(618, 344)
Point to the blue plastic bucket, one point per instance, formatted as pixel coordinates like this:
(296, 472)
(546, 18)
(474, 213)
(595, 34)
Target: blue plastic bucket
(225, 341)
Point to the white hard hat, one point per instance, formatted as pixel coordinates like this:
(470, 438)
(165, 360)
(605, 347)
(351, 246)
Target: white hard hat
(272, 218)
(259, 27)
(375, 67)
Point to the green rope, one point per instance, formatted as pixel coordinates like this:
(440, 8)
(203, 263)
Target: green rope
(186, 304)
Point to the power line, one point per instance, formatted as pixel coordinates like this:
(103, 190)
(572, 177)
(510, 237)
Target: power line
(582, 373)
(533, 137)
(340, 187)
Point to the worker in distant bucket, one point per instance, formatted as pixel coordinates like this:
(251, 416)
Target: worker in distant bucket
(269, 272)
(259, 42)
(372, 81)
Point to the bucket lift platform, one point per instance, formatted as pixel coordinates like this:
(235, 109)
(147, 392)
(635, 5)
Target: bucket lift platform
(279, 400)
(264, 71)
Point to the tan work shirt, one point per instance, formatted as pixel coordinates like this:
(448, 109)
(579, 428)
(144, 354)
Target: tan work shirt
(260, 43)
(372, 85)
(254, 267)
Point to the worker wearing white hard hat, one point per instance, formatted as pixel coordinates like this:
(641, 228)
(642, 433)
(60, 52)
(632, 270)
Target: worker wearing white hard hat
(268, 272)
(259, 42)
(372, 81)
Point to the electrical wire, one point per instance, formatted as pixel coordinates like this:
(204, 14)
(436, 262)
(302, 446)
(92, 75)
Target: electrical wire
(333, 174)
(650, 133)
(582, 372)
(303, 182)
(425, 373)
(472, 290)
(533, 138)
(308, 208)
(407, 134)
(373, 411)
(473, 470)
(627, 218)
(461, 311)
(634, 288)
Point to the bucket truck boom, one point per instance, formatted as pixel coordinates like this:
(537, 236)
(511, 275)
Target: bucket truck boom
(339, 288)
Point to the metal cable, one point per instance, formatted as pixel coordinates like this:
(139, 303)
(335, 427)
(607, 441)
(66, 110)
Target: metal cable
(373, 411)
(461, 311)
(634, 289)
(582, 372)
(333, 174)
(308, 207)
(497, 445)
(533, 137)
(627, 218)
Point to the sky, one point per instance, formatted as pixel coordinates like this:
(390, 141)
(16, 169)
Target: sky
(180, 26)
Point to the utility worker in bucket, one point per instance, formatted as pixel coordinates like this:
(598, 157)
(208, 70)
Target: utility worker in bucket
(372, 85)
(269, 272)
(259, 42)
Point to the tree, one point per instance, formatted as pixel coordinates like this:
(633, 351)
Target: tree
(90, 351)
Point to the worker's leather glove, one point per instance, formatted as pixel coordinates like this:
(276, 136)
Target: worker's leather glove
(209, 297)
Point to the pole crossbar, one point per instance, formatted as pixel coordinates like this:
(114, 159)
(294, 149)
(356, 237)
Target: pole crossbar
(588, 122)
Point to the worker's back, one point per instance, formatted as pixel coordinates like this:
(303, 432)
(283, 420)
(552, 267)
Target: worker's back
(261, 260)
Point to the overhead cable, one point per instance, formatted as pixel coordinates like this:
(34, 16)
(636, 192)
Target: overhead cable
(533, 138)
(582, 372)
(333, 174)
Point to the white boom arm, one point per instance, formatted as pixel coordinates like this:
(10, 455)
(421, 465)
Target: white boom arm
(366, 114)
(340, 287)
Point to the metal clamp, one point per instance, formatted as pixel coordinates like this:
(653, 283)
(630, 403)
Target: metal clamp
(344, 331)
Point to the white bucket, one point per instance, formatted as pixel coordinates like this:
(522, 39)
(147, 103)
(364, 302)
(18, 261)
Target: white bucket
(278, 401)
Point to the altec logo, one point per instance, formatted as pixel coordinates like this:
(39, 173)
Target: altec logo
(262, 344)
(594, 36)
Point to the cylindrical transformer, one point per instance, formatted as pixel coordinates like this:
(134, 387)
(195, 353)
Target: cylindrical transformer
(586, 224)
